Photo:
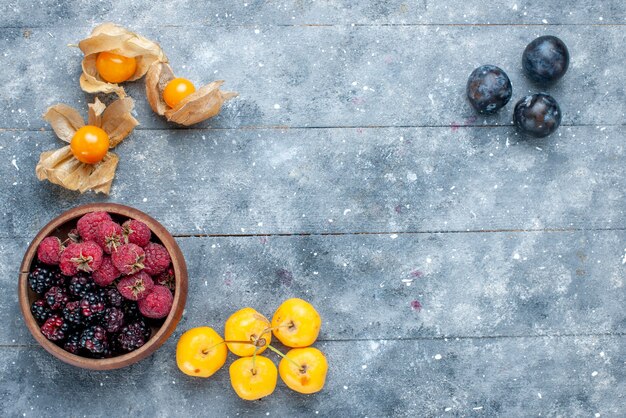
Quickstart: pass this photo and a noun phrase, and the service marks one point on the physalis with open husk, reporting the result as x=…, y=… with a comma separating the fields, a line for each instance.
x=177, y=98
x=114, y=54
x=86, y=163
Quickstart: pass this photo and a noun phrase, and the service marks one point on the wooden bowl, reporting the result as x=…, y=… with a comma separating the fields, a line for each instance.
x=60, y=226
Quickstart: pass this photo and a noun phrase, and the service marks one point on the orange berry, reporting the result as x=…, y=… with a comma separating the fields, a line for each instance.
x=308, y=375
x=247, y=325
x=176, y=90
x=253, y=380
x=296, y=323
x=115, y=68
x=200, y=352
x=90, y=144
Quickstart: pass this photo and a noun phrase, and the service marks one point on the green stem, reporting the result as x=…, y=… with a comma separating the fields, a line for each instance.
x=277, y=351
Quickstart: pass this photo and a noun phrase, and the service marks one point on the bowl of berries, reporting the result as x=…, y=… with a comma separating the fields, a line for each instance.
x=102, y=286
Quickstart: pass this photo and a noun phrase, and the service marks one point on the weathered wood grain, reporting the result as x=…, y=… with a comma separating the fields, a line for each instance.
x=329, y=76
x=339, y=180
x=283, y=12
x=365, y=286
x=565, y=376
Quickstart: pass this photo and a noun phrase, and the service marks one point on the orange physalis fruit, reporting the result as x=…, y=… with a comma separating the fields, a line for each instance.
x=115, y=68
x=90, y=144
x=176, y=90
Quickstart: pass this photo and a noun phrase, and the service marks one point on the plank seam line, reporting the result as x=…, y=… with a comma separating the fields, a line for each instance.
x=426, y=232
x=426, y=338
x=285, y=127
x=377, y=233
x=327, y=25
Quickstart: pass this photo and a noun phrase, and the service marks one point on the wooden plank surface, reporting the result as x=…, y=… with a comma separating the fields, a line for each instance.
x=460, y=270
x=341, y=180
x=329, y=76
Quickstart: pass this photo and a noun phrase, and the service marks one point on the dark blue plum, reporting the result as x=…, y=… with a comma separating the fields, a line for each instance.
x=537, y=115
x=545, y=59
x=489, y=89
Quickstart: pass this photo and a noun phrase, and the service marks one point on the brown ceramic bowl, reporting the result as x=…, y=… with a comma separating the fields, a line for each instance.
x=60, y=226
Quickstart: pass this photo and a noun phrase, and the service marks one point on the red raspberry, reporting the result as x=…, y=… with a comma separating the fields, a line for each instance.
x=84, y=256
x=49, y=250
x=88, y=224
x=157, y=304
x=167, y=279
x=136, y=232
x=136, y=286
x=128, y=258
x=157, y=259
x=109, y=236
x=106, y=274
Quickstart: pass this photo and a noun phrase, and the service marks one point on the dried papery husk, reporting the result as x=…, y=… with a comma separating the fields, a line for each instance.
x=117, y=120
x=118, y=40
x=203, y=104
x=62, y=168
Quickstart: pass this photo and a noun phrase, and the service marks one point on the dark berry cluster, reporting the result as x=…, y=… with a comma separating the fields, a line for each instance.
x=100, y=291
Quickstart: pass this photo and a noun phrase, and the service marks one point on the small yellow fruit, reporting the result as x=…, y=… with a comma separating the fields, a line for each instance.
x=253, y=382
x=309, y=375
x=115, y=68
x=296, y=323
x=90, y=144
x=247, y=325
x=176, y=90
x=200, y=352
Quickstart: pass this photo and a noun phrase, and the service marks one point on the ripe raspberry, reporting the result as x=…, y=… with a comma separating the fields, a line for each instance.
x=85, y=256
x=56, y=298
x=49, y=250
x=133, y=336
x=94, y=339
x=54, y=328
x=167, y=279
x=80, y=285
x=128, y=258
x=72, y=314
x=72, y=344
x=43, y=278
x=157, y=304
x=157, y=259
x=136, y=232
x=136, y=286
x=112, y=297
x=109, y=236
x=113, y=319
x=107, y=273
x=92, y=305
x=88, y=224
x=40, y=310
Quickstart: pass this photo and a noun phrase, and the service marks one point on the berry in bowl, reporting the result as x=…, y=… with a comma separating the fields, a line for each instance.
x=102, y=286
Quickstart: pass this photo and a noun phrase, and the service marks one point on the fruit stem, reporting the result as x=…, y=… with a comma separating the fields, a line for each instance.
x=254, y=361
x=237, y=342
x=277, y=351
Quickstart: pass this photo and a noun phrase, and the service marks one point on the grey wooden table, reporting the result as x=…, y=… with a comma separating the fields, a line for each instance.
x=459, y=270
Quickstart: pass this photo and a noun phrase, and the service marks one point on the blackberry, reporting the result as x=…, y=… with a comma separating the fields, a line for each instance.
x=94, y=340
x=92, y=305
x=131, y=311
x=133, y=336
x=40, y=310
x=80, y=285
x=72, y=344
x=43, y=278
x=55, y=328
x=73, y=314
x=56, y=297
x=113, y=319
x=112, y=297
